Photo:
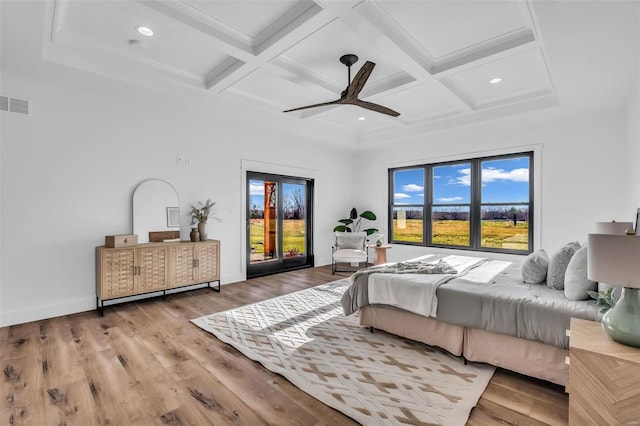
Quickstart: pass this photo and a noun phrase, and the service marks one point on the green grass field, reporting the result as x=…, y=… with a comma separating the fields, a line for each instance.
x=292, y=235
x=495, y=233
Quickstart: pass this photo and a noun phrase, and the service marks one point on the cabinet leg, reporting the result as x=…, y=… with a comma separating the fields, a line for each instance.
x=214, y=288
x=100, y=306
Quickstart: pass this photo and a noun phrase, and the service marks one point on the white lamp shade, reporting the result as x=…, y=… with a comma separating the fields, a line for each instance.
x=614, y=259
x=613, y=227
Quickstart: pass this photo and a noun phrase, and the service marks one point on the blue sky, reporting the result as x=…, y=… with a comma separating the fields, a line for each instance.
x=504, y=180
x=256, y=189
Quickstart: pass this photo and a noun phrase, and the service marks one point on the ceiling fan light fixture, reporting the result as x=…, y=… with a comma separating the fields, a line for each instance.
x=349, y=96
x=145, y=31
x=495, y=80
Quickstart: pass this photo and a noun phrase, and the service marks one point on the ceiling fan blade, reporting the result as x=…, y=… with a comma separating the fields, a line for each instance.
x=360, y=79
x=376, y=108
x=337, y=101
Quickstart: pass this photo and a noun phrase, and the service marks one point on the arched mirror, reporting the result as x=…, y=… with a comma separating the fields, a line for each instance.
x=156, y=209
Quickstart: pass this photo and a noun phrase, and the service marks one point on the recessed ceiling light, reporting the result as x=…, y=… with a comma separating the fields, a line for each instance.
x=362, y=118
x=145, y=31
x=495, y=80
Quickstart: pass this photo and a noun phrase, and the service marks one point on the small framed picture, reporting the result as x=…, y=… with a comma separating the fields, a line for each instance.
x=173, y=217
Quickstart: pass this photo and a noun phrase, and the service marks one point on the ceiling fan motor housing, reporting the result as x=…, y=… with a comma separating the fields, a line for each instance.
x=349, y=59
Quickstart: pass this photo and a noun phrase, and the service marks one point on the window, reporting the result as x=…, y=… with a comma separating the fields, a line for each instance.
x=480, y=204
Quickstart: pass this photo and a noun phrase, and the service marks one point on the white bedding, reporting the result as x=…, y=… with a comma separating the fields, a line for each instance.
x=417, y=292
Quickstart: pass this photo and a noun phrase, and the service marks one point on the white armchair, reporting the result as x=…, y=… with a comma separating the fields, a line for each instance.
x=351, y=248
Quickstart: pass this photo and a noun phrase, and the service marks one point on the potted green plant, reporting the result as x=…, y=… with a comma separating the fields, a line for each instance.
x=353, y=222
x=604, y=299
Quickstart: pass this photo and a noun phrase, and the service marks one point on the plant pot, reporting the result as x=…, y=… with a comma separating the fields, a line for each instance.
x=194, y=235
x=202, y=229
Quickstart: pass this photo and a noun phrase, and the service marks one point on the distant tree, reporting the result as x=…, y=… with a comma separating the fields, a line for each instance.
x=255, y=212
x=293, y=205
x=297, y=201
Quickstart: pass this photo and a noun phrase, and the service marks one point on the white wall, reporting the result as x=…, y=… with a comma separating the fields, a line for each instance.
x=634, y=147
x=581, y=163
x=69, y=171
x=634, y=138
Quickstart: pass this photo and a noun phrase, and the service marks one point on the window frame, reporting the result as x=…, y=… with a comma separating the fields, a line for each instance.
x=475, y=203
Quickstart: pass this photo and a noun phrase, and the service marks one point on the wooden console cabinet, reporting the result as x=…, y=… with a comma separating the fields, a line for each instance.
x=603, y=378
x=153, y=267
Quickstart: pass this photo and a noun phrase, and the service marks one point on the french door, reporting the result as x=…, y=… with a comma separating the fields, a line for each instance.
x=279, y=223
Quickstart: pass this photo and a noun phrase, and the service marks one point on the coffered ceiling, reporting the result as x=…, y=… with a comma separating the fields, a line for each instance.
x=434, y=59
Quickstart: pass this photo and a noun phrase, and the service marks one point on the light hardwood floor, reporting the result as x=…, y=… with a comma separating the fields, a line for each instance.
x=144, y=363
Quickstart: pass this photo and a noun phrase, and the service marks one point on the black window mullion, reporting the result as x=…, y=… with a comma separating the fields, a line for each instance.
x=476, y=200
x=530, y=201
x=428, y=204
x=391, y=186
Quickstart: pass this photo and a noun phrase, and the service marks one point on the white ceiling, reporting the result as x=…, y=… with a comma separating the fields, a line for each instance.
x=434, y=59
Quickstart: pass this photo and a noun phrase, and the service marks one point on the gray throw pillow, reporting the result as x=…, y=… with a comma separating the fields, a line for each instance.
x=558, y=264
x=576, y=283
x=534, y=267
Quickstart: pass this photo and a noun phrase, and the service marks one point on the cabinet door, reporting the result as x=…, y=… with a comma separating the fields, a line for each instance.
x=208, y=260
x=153, y=272
x=117, y=269
x=182, y=263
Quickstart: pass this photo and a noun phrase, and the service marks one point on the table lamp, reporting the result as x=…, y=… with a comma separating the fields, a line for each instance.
x=615, y=260
x=613, y=227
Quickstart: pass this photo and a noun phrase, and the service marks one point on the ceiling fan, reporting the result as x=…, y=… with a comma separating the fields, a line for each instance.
x=349, y=95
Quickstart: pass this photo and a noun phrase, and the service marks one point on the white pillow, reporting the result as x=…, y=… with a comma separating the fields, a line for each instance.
x=558, y=265
x=534, y=267
x=576, y=283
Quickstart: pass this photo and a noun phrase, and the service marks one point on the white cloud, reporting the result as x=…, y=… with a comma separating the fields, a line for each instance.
x=516, y=175
x=449, y=199
x=492, y=174
x=412, y=187
x=400, y=196
x=465, y=179
x=256, y=189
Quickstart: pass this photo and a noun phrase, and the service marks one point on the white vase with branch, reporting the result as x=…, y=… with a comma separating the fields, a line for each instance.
x=200, y=214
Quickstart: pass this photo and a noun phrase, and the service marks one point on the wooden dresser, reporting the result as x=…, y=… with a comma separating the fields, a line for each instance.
x=154, y=267
x=604, y=378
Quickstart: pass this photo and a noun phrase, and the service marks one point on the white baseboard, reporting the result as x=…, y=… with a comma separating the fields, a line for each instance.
x=37, y=313
x=75, y=306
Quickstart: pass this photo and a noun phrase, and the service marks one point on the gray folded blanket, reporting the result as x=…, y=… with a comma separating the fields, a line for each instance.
x=407, y=267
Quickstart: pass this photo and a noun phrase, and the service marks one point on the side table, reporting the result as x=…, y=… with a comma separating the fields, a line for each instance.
x=381, y=253
x=603, y=378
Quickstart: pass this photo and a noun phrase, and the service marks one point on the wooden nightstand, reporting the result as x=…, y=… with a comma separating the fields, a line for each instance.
x=603, y=378
x=381, y=254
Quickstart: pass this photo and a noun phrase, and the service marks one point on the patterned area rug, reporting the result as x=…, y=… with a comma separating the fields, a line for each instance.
x=374, y=378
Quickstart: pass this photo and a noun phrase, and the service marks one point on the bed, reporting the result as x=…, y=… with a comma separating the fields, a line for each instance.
x=482, y=310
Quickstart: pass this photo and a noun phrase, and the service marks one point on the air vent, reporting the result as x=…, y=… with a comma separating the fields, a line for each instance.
x=19, y=106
